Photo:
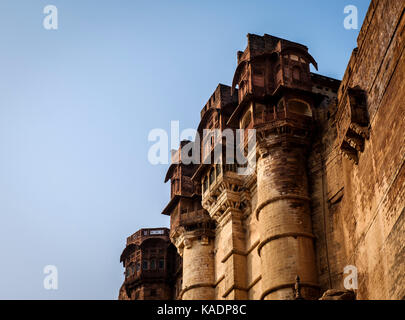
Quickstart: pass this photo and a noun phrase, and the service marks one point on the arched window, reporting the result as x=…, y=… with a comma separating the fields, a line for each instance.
x=296, y=74
x=280, y=106
x=299, y=107
x=161, y=264
x=259, y=112
x=153, y=264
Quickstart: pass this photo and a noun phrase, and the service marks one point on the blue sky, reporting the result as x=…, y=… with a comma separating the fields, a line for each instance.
x=77, y=105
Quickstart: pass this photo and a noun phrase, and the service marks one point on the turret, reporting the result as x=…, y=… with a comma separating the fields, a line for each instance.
x=151, y=265
x=276, y=99
x=222, y=197
x=191, y=230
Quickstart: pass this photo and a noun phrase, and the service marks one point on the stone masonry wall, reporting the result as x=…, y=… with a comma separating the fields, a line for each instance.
x=365, y=228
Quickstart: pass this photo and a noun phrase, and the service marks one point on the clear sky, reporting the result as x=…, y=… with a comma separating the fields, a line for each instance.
x=77, y=105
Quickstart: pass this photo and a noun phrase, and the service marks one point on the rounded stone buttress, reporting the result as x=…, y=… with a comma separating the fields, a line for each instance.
x=198, y=269
x=286, y=241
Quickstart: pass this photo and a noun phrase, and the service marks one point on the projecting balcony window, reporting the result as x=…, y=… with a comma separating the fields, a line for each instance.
x=153, y=264
x=145, y=265
x=299, y=107
x=161, y=264
x=258, y=78
x=259, y=113
x=296, y=74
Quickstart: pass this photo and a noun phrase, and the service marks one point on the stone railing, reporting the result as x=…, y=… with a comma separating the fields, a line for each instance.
x=188, y=218
x=146, y=275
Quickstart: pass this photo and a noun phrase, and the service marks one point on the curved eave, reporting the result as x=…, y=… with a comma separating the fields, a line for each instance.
x=170, y=171
x=241, y=65
x=236, y=76
x=126, y=250
x=173, y=201
x=302, y=52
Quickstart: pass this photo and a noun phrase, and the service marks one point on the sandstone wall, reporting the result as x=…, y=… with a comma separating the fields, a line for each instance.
x=331, y=212
x=365, y=227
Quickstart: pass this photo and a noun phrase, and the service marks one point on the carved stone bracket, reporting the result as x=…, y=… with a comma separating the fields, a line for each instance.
x=229, y=193
x=352, y=124
x=184, y=239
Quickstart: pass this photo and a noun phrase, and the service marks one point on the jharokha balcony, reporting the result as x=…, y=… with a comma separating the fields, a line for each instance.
x=148, y=255
x=287, y=116
x=273, y=119
x=189, y=220
x=295, y=113
x=146, y=275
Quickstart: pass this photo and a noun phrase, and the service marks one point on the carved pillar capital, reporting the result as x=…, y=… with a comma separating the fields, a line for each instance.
x=188, y=243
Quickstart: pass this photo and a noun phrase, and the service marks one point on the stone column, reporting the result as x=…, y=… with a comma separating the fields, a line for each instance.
x=233, y=243
x=286, y=241
x=223, y=203
x=198, y=266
